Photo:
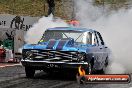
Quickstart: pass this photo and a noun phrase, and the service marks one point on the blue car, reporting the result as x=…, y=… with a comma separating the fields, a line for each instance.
x=64, y=48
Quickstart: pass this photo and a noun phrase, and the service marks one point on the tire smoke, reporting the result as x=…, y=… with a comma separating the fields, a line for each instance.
x=35, y=33
x=115, y=29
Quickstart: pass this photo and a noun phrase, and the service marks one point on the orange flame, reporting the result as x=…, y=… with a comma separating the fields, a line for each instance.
x=81, y=71
x=74, y=23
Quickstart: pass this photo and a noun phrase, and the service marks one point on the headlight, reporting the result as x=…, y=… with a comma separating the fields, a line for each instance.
x=27, y=54
x=81, y=56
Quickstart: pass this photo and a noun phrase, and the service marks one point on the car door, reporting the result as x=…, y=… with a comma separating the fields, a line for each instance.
x=99, y=50
x=103, y=47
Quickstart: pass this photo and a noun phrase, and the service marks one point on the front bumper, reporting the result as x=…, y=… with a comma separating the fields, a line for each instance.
x=49, y=64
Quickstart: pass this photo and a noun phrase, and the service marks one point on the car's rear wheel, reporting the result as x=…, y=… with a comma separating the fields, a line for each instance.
x=102, y=71
x=29, y=72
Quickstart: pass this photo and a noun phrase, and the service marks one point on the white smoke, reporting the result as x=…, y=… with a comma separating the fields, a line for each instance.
x=115, y=29
x=35, y=33
x=85, y=10
x=115, y=68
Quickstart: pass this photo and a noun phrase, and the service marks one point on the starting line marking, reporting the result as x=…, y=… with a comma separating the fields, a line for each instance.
x=11, y=65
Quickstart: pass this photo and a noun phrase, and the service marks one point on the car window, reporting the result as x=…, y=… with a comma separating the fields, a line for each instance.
x=96, y=39
x=78, y=36
x=87, y=39
x=99, y=38
x=99, y=41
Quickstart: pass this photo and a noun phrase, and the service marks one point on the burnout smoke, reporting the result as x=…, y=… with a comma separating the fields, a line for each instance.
x=115, y=29
x=35, y=33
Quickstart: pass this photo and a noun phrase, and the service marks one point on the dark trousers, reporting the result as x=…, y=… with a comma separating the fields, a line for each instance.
x=51, y=10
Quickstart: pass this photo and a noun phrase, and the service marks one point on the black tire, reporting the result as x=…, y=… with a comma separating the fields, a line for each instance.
x=29, y=72
x=88, y=69
x=102, y=71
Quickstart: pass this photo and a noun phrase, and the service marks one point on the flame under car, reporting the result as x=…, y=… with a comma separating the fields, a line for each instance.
x=63, y=48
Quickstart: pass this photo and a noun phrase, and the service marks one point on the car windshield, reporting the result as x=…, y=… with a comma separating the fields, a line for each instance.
x=78, y=36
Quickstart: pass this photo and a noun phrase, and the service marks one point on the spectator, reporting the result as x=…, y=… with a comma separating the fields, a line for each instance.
x=51, y=4
x=18, y=22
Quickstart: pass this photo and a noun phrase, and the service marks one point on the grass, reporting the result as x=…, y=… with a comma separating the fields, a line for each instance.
x=26, y=7
x=23, y=7
x=39, y=7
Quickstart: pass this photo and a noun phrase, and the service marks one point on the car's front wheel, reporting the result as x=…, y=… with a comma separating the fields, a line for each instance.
x=29, y=72
x=89, y=69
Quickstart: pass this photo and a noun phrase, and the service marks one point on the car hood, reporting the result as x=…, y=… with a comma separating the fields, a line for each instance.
x=63, y=45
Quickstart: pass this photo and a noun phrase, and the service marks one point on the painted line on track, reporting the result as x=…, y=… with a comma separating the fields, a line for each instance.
x=10, y=65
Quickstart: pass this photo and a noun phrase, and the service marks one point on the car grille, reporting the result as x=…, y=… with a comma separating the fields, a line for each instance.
x=50, y=55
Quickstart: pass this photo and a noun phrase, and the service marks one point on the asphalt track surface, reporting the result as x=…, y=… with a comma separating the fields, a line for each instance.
x=14, y=77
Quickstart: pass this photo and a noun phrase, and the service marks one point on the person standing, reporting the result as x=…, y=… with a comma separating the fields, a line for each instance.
x=51, y=4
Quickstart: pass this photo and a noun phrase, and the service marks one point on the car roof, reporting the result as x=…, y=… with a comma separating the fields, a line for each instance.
x=71, y=29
